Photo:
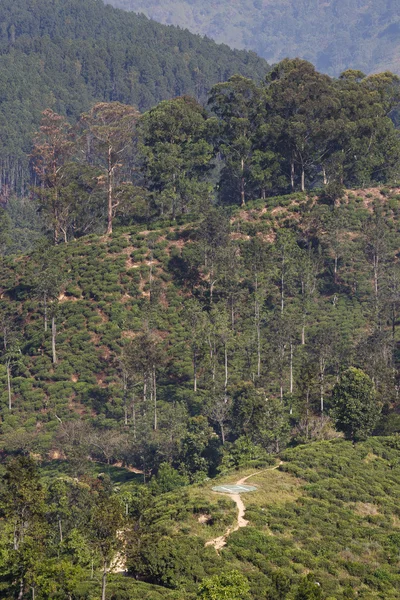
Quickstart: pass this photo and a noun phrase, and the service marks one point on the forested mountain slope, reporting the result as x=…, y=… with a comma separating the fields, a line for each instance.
x=66, y=55
x=334, y=35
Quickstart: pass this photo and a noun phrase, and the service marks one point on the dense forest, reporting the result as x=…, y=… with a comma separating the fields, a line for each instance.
x=335, y=35
x=66, y=55
x=211, y=292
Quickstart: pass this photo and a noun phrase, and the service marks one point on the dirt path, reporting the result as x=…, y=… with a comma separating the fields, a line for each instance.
x=220, y=541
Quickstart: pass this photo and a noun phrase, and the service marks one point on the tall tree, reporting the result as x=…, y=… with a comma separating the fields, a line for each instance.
x=23, y=502
x=52, y=149
x=176, y=156
x=10, y=348
x=109, y=130
x=237, y=105
x=105, y=525
x=143, y=357
x=303, y=104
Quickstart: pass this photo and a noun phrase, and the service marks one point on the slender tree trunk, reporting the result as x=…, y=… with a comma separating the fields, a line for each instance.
x=53, y=339
x=33, y=593
x=60, y=530
x=258, y=332
x=104, y=582
x=45, y=312
x=322, y=384
x=303, y=180
x=21, y=589
x=226, y=367
x=195, y=369
x=8, y=369
x=212, y=359
x=109, y=192
x=292, y=174
x=335, y=269
x=242, y=186
x=15, y=538
x=134, y=415
x=291, y=367
x=155, y=397
x=307, y=413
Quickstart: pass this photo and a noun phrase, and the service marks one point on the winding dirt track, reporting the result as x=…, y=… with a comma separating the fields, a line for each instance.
x=220, y=541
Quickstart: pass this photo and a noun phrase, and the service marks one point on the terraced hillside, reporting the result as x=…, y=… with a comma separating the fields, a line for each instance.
x=141, y=369
x=111, y=291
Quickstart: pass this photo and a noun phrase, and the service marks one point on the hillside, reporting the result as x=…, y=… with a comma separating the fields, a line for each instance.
x=323, y=525
x=150, y=289
x=68, y=55
x=201, y=294
x=334, y=35
x=137, y=365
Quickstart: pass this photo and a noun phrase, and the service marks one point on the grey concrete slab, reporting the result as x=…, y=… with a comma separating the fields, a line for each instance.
x=234, y=488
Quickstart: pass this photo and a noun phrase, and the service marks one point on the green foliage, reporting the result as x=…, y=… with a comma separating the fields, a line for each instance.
x=354, y=404
x=67, y=56
x=232, y=585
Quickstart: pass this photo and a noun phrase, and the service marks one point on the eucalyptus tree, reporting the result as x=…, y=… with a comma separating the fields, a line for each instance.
x=109, y=131
x=10, y=348
x=355, y=406
x=303, y=105
x=238, y=106
x=52, y=150
x=144, y=358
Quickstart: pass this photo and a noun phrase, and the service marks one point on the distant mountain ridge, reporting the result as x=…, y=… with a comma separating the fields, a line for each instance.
x=333, y=34
x=68, y=54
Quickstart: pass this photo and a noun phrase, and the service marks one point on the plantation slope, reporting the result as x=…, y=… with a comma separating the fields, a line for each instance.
x=112, y=286
x=220, y=542
x=331, y=509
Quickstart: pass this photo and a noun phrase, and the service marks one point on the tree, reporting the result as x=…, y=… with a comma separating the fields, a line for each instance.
x=106, y=522
x=237, y=105
x=52, y=149
x=308, y=589
x=109, y=129
x=286, y=253
x=303, y=104
x=256, y=260
x=227, y=586
x=354, y=404
x=196, y=320
x=10, y=348
x=5, y=231
x=23, y=503
x=376, y=248
x=176, y=156
x=143, y=357
x=366, y=137
x=214, y=239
